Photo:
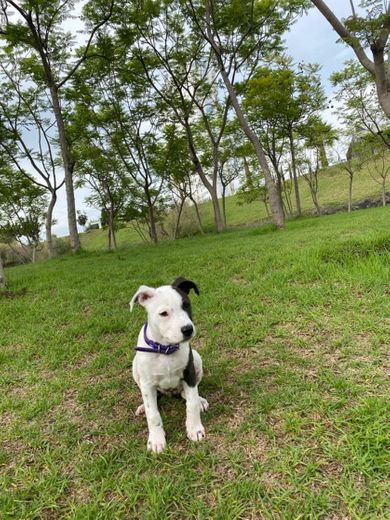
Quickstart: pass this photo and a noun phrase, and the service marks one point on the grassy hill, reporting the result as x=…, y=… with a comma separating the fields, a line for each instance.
x=333, y=191
x=293, y=328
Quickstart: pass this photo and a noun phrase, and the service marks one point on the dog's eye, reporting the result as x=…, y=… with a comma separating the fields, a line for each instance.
x=164, y=314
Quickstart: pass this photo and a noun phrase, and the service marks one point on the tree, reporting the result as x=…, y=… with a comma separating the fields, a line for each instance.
x=22, y=206
x=180, y=69
x=82, y=218
x=254, y=191
x=116, y=118
x=231, y=162
x=366, y=28
x=39, y=34
x=239, y=34
x=26, y=137
x=109, y=184
x=181, y=171
x=359, y=109
x=351, y=165
x=279, y=101
x=365, y=125
x=378, y=165
x=310, y=167
x=317, y=135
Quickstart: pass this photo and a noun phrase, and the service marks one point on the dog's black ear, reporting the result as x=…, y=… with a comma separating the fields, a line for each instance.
x=185, y=285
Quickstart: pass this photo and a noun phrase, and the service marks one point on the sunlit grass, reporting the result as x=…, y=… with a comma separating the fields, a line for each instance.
x=293, y=328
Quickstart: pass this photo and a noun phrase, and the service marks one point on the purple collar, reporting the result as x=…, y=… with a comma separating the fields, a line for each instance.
x=157, y=348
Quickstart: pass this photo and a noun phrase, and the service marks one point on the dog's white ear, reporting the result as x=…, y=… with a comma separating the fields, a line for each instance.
x=142, y=296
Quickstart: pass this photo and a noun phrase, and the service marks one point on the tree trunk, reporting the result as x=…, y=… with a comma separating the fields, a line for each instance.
x=350, y=194
x=384, y=100
x=152, y=223
x=323, y=156
x=217, y=211
x=211, y=188
x=111, y=237
x=279, y=185
x=3, y=280
x=266, y=207
x=224, y=205
x=48, y=225
x=111, y=231
x=248, y=175
x=381, y=79
x=294, y=172
x=68, y=171
x=274, y=199
x=276, y=207
x=315, y=201
x=197, y=213
x=34, y=253
x=383, y=194
x=178, y=217
x=287, y=196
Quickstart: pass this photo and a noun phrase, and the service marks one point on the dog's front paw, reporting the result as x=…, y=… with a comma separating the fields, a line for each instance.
x=196, y=432
x=156, y=442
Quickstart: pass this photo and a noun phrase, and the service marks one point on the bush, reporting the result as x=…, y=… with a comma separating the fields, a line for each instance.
x=188, y=224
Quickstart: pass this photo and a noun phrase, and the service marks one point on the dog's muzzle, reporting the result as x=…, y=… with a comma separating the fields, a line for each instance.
x=187, y=331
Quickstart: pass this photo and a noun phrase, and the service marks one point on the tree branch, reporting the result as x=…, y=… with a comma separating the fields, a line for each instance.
x=85, y=53
x=345, y=35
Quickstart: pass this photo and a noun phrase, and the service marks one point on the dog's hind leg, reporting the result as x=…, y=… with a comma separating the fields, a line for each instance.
x=140, y=410
x=204, y=405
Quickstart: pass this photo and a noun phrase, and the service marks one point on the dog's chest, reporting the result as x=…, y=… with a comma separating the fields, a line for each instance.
x=165, y=373
x=168, y=376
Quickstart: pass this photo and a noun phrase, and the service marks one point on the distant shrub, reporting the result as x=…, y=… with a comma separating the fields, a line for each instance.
x=61, y=246
x=188, y=224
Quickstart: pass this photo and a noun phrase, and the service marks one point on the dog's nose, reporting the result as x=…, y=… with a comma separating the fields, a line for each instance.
x=187, y=331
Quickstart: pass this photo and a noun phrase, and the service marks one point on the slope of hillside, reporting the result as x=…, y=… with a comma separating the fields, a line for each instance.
x=333, y=191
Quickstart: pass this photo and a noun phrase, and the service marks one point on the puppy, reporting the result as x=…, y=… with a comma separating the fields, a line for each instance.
x=164, y=362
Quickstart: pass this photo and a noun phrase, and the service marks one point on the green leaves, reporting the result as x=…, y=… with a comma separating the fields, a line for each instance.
x=22, y=206
x=284, y=96
x=17, y=34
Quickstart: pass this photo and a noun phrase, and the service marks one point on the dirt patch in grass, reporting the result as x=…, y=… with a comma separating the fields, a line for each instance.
x=13, y=294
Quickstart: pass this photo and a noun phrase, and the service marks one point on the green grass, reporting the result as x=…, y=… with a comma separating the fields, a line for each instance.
x=333, y=191
x=293, y=328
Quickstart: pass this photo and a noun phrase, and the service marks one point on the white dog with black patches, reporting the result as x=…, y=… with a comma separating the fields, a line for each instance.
x=164, y=362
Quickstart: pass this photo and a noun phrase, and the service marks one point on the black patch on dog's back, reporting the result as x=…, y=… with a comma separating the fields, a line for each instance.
x=189, y=374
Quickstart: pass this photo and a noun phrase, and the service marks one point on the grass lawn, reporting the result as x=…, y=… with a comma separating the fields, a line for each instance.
x=333, y=191
x=293, y=328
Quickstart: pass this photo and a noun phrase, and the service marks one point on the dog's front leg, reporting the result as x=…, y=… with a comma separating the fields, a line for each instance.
x=195, y=429
x=156, y=440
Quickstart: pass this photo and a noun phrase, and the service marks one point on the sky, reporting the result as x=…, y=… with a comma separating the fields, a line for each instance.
x=311, y=40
